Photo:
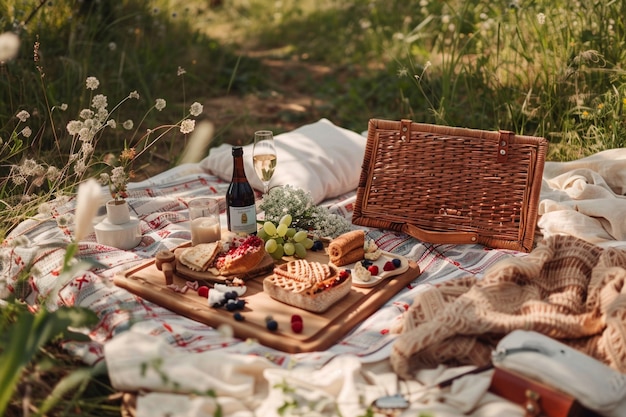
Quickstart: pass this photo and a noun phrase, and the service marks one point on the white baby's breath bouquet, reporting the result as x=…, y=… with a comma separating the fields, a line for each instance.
x=315, y=219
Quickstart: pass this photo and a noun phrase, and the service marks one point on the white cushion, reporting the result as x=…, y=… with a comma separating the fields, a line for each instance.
x=321, y=158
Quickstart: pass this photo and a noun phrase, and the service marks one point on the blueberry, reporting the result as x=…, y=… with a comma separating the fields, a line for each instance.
x=230, y=295
x=238, y=316
x=397, y=262
x=240, y=304
x=272, y=325
x=232, y=306
x=317, y=245
x=366, y=263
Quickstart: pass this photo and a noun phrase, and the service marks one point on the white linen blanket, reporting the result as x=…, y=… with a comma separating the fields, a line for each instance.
x=585, y=198
x=582, y=198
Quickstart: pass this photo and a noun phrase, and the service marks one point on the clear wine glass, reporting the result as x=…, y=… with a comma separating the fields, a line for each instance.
x=264, y=157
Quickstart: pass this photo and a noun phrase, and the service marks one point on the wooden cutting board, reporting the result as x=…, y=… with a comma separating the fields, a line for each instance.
x=320, y=330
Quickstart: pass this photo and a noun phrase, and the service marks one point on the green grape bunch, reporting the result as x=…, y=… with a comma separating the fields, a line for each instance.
x=281, y=239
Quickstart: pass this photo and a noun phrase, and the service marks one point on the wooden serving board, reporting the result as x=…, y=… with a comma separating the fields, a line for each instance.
x=320, y=330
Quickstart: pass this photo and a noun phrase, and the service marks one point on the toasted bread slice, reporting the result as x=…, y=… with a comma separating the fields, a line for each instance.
x=200, y=257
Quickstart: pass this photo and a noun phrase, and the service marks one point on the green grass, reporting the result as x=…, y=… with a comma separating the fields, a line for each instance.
x=551, y=68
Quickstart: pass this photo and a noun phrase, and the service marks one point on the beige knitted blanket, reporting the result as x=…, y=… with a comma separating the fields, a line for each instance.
x=566, y=288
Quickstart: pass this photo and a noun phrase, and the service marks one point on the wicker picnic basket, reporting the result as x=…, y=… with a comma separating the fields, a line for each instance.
x=451, y=185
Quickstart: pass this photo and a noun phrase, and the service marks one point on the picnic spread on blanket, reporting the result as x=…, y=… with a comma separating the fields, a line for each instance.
x=387, y=345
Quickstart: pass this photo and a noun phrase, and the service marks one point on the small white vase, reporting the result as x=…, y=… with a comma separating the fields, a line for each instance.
x=118, y=229
x=118, y=211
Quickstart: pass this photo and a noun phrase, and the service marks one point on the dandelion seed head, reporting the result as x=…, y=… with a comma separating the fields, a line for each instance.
x=128, y=124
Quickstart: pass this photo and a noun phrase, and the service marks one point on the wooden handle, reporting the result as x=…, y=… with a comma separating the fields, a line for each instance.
x=166, y=261
x=168, y=271
x=440, y=237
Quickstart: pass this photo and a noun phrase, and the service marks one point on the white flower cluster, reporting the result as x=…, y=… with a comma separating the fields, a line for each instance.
x=315, y=219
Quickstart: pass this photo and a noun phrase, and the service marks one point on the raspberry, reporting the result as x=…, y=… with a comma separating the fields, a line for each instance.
x=297, y=326
x=373, y=269
x=296, y=318
x=397, y=262
x=344, y=273
x=203, y=291
x=389, y=266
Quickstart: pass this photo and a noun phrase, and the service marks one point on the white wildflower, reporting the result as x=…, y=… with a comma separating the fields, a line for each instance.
x=111, y=123
x=180, y=71
x=87, y=148
x=134, y=94
x=65, y=220
x=28, y=168
x=187, y=126
x=118, y=175
x=18, y=179
x=112, y=46
x=53, y=173
x=541, y=18
x=86, y=114
x=128, y=124
x=92, y=83
x=26, y=132
x=102, y=114
x=196, y=109
x=80, y=167
x=63, y=106
x=23, y=115
x=45, y=208
x=9, y=46
x=160, y=104
x=20, y=241
x=99, y=101
x=85, y=134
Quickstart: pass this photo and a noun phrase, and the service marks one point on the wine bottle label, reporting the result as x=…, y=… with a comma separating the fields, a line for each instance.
x=243, y=219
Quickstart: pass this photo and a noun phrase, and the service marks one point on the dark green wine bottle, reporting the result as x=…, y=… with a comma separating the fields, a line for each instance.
x=240, y=204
